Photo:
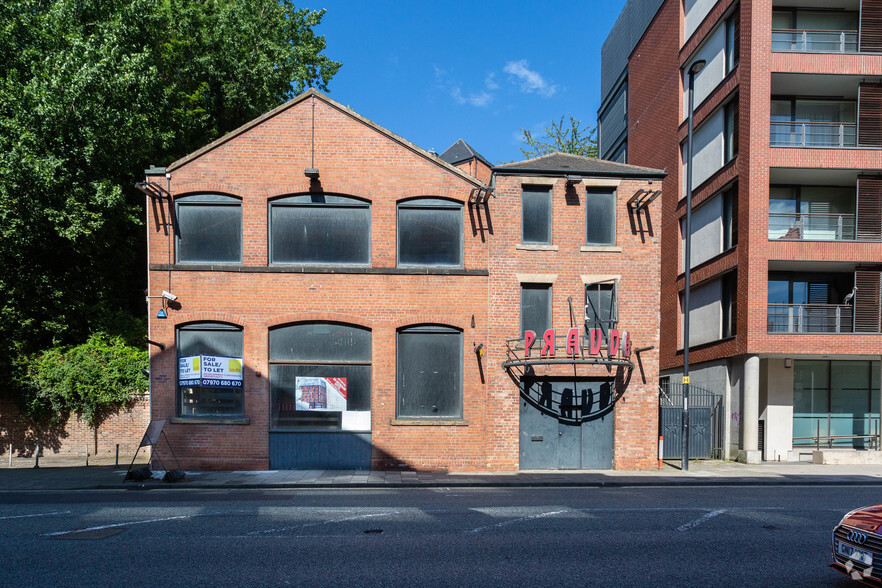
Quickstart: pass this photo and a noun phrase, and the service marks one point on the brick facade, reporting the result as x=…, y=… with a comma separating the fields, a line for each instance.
x=267, y=159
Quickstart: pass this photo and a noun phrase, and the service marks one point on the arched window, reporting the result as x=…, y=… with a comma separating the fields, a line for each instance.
x=319, y=229
x=208, y=229
x=430, y=232
x=215, y=389
x=320, y=377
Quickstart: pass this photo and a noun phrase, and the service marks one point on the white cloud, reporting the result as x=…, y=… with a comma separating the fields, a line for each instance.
x=481, y=98
x=446, y=83
x=529, y=80
x=490, y=82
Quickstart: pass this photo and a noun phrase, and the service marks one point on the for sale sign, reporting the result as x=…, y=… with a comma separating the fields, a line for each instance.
x=211, y=371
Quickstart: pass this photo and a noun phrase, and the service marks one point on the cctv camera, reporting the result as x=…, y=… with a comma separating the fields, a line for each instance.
x=168, y=295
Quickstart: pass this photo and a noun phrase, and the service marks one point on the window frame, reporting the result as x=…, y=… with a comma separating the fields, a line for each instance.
x=612, y=193
x=329, y=421
x=430, y=203
x=340, y=201
x=457, y=400
x=613, y=321
x=548, y=205
x=206, y=200
x=179, y=396
x=525, y=286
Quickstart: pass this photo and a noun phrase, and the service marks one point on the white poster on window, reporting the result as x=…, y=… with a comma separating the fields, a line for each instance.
x=321, y=394
x=211, y=371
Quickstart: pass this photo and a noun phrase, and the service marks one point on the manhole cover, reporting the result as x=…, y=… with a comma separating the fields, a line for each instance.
x=90, y=534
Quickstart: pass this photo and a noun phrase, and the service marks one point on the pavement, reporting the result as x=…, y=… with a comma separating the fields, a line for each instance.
x=72, y=474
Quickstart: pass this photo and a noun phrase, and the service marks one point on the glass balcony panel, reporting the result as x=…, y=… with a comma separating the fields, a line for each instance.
x=813, y=134
x=810, y=318
x=814, y=41
x=811, y=227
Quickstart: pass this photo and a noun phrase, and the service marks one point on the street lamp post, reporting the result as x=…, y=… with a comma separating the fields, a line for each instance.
x=696, y=67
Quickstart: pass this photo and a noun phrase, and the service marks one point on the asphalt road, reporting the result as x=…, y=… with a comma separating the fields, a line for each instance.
x=712, y=536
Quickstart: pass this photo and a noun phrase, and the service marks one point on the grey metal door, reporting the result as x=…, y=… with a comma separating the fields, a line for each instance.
x=553, y=432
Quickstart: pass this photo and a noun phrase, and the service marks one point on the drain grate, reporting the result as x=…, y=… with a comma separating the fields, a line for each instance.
x=90, y=534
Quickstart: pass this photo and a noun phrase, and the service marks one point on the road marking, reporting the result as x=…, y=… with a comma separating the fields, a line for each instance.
x=117, y=525
x=513, y=521
x=43, y=514
x=701, y=519
x=328, y=522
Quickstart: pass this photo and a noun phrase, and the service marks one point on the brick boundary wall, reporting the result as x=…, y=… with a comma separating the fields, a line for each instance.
x=126, y=428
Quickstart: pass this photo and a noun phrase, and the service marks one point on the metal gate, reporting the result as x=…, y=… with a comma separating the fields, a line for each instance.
x=705, y=421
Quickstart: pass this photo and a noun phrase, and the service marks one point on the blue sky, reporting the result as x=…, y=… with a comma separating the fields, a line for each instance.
x=435, y=72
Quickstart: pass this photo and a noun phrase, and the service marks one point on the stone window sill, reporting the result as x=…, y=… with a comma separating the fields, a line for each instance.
x=210, y=420
x=429, y=422
x=535, y=247
x=607, y=248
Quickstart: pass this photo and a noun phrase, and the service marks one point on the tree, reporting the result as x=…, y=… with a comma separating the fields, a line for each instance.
x=562, y=136
x=90, y=380
x=91, y=92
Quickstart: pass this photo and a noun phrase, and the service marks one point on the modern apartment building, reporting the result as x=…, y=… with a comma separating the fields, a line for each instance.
x=787, y=206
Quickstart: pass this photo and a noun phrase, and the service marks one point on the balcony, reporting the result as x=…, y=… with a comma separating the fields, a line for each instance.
x=823, y=134
x=811, y=226
x=810, y=318
x=814, y=41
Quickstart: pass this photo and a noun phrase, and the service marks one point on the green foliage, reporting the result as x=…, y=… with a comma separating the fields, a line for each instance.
x=91, y=93
x=90, y=380
x=566, y=137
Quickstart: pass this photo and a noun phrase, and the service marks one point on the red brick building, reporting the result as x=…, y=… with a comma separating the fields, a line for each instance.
x=313, y=247
x=786, y=232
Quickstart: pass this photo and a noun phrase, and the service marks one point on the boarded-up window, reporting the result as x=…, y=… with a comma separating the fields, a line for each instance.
x=536, y=214
x=535, y=308
x=600, y=216
x=429, y=375
x=430, y=232
x=320, y=229
x=209, y=229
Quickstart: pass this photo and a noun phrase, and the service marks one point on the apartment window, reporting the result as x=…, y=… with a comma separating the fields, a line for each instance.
x=729, y=304
x=600, y=219
x=730, y=225
x=320, y=229
x=320, y=376
x=601, y=307
x=430, y=232
x=536, y=214
x=429, y=374
x=733, y=33
x=730, y=131
x=535, y=308
x=196, y=395
x=209, y=229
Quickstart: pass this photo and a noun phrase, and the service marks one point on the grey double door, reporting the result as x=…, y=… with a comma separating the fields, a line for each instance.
x=566, y=424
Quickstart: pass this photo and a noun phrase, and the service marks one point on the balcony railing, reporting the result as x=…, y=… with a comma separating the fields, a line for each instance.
x=814, y=41
x=813, y=134
x=811, y=226
x=810, y=318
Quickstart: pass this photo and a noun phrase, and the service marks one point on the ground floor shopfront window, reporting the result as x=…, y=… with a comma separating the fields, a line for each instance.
x=835, y=403
x=320, y=377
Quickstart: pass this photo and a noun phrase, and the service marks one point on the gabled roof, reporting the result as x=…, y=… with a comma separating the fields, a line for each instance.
x=312, y=92
x=462, y=151
x=558, y=163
